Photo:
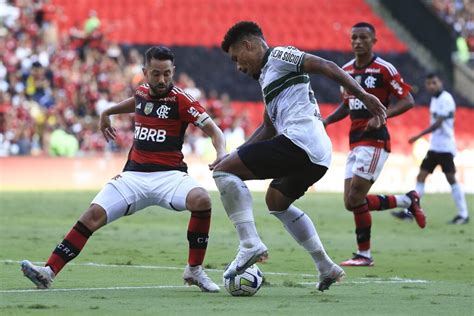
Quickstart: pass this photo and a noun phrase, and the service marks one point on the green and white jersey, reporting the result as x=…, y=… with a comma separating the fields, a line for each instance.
x=442, y=139
x=291, y=105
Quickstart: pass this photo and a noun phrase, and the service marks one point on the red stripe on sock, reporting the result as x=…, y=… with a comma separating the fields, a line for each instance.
x=198, y=223
x=392, y=201
x=360, y=209
x=363, y=220
x=373, y=202
x=75, y=238
x=56, y=263
x=196, y=257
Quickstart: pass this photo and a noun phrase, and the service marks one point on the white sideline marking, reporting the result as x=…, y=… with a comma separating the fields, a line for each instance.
x=113, y=288
x=393, y=280
x=103, y=265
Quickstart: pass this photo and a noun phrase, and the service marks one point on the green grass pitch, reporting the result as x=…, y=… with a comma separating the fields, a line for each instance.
x=140, y=259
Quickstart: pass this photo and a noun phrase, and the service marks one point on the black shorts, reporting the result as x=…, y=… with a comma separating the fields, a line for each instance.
x=432, y=159
x=280, y=159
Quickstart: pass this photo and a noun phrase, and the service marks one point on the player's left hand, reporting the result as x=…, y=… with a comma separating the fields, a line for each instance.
x=378, y=110
x=373, y=123
x=106, y=128
x=217, y=161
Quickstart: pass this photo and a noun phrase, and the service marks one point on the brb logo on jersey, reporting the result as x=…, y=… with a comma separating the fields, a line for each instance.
x=150, y=134
x=163, y=111
x=356, y=104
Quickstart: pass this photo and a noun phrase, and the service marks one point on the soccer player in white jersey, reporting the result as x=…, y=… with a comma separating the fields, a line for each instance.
x=290, y=146
x=442, y=147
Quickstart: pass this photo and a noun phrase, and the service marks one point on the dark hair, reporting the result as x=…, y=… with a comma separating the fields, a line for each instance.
x=158, y=52
x=239, y=31
x=432, y=75
x=365, y=24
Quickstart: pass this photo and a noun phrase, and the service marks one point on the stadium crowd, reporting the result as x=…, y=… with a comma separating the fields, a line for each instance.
x=54, y=86
x=459, y=14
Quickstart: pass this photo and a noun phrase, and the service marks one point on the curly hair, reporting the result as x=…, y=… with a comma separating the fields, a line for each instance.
x=239, y=31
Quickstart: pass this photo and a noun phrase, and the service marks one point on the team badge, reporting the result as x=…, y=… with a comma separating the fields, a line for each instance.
x=370, y=82
x=148, y=108
x=162, y=111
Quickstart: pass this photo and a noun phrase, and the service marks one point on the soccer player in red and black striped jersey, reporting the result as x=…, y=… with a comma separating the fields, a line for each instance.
x=155, y=173
x=370, y=146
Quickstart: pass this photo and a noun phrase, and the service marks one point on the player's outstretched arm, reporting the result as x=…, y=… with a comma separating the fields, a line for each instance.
x=318, y=65
x=217, y=138
x=340, y=113
x=125, y=106
x=432, y=128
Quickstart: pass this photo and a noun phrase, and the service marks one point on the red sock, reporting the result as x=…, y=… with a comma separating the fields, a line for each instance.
x=363, y=222
x=381, y=202
x=69, y=248
x=198, y=234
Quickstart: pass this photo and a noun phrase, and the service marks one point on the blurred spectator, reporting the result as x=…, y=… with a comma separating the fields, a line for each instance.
x=92, y=23
x=459, y=14
x=53, y=88
x=62, y=144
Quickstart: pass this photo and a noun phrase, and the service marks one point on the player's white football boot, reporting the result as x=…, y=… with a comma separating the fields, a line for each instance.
x=197, y=276
x=42, y=277
x=245, y=258
x=327, y=278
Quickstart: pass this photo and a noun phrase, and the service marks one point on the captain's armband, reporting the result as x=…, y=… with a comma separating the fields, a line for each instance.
x=202, y=119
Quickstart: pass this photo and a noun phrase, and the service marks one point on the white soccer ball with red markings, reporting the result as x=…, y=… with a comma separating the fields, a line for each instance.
x=245, y=284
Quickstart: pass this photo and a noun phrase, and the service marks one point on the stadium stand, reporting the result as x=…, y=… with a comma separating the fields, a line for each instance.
x=202, y=22
x=66, y=61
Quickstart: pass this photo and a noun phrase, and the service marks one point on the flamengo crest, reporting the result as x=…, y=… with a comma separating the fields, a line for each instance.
x=148, y=108
x=162, y=111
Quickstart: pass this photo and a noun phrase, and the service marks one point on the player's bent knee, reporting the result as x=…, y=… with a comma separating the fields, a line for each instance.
x=274, y=205
x=276, y=201
x=353, y=200
x=94, y=218
x=198, y=199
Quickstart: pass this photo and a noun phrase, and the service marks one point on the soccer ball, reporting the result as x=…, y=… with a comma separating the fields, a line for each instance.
x=245, y=284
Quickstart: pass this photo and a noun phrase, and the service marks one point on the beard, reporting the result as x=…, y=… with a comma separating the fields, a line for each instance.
x=156, y=92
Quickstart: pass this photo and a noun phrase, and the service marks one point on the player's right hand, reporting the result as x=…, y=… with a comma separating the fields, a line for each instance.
x=217, y=161
x=106, y=128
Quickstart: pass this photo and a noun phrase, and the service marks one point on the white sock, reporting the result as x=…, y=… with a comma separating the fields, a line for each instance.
x=50, y=272
x=302, y=229
x=365, y=253
x=403, y=201
x=459, y=199
x=237, y=202
x=420, y=188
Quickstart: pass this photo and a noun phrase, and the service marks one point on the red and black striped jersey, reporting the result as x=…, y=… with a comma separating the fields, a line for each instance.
x=160, y=124
x=381, y=79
